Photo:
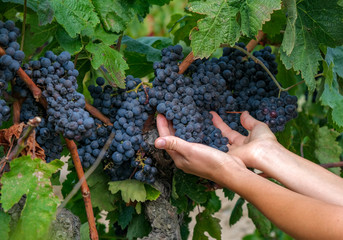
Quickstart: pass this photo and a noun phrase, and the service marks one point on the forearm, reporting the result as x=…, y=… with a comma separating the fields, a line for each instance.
x=298, y=215
x=301, y=175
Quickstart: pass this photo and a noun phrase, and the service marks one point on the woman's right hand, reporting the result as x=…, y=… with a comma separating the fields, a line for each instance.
x=249, y=148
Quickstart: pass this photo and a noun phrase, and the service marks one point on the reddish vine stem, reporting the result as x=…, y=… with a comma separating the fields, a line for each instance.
x=84, y=189
x=23, y=27
x=16, y=110
x=37, y=93
x=332, y=165
x=96, y=113
x=253, y=43
x=186, y=63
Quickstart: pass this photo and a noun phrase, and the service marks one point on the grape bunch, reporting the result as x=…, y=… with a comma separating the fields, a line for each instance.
x=228, y=85
x=254, y=90
x=127, y=109
x=46, y=136
x=187, y=101
x=57, y=77
x=9, y=63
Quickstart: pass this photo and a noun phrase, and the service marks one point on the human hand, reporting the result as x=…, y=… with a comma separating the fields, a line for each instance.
x=195, y=158
x=248, y=148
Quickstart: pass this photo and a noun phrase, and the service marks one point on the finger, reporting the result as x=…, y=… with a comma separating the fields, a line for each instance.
x=173, y=143
x=163, y=126
x=176, y=147
x=232, y=135
x=171, y=128
x=248, y=122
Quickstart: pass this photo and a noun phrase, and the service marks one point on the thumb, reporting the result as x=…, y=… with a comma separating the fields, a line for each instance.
x=248, y=122
x=172, y=143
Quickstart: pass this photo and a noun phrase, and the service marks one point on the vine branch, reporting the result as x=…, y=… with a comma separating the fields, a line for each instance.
x=332, y=165
x=253, y=43
x=37, y=93
x=84, y=188
x=89, y=172
x=96, y=113
x=186, y=63
x=23, y=27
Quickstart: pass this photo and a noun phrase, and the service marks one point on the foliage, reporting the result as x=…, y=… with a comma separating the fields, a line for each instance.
x=115, y=38
x=30, y=177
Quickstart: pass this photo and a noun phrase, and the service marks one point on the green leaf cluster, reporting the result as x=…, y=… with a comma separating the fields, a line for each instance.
x=226, y=20
x=30, y=177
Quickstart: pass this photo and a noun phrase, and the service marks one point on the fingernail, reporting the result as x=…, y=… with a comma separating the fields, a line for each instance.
x=160, y=143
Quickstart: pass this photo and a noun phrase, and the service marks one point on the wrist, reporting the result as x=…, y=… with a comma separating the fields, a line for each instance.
x=264, y=154
x=231, y=176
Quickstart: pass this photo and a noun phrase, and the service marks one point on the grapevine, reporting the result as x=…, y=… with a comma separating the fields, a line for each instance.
x=84, y=79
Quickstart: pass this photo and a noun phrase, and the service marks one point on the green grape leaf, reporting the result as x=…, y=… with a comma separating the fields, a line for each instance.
x=187, y=184
x=335, y=56
x=125, y=216
x=237, y=211
x=131, y=190
x=276, y=23
x=138, y=64
x=156, y=42
x=115, y=15
x=286, y=77
x=263, y=225
x=332, y=98
x=303, y=127
x=108, y=38
x=43, y=8
x=205, y=222
x=72, y=45
x=186, y=24
x=221, y=24
x=317, y=23
x=288, y=41
x=100, y=195
x=159, y=2
x=327, y=148
x=328, y=73
x=213, y=203
x=75, y=16
x=36, y=36
x=132, y=45
x=110, y=59
x=4, y=225
x=151, y=193
x=84, y=231
x=31, y=177
x=228, y=193
x=138, y=228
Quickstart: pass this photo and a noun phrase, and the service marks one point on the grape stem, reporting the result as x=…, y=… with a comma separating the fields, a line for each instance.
x=119, y=42
x=256, y=60
x=23, y=26
x=88, y=173
x=253, y=43
x=332, y=165
x=84, y=188
x=186, y=63
x=37, y=93
x=96, y=113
